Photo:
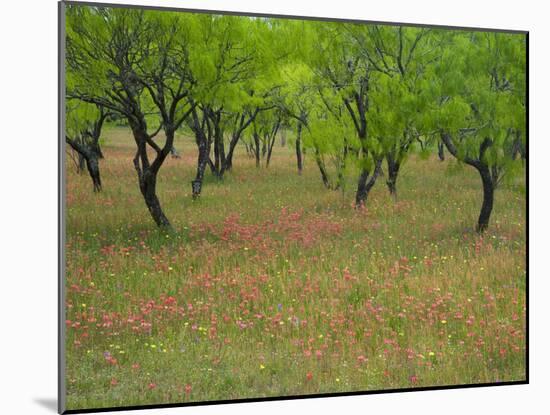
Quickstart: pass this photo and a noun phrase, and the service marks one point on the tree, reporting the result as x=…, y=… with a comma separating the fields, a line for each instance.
x=481, y=111
x=127, y=61
x=400, y=60
x=343, y=70
x=83, y=131
x=231, y=68
x=298, y=97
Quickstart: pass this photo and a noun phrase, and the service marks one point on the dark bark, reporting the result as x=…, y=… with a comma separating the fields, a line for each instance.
x=148, y=186
x=365, y=184
x=256, y=137
x=322, y=169
x=90, y=158
x=242, y=121
x=488, y=198
x=211, y=165
x=93, y=169
x=81, y=163
x=393, y=172
x=489, y=177
x=228, y=164
x=440, y=151
x=147, y=172
x=299, y=161
x=203, y=143
x=203, y=160
x=271, y=141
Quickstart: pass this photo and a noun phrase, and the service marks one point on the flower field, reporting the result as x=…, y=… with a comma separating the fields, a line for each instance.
x=272, y=285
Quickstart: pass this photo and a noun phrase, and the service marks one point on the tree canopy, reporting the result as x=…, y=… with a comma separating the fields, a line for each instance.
x=354, y=94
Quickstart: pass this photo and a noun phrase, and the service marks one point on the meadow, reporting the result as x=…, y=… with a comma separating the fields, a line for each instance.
x=272, y=285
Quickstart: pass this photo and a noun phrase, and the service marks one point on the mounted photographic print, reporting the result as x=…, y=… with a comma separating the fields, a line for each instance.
x=259, y=207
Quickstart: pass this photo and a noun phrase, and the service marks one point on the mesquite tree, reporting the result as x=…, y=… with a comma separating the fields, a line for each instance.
x=233, y=72
x=83, y=131
x=400, y=59
x=481, y=112
x=343, y=70
x=297, y=98
x=127, y=61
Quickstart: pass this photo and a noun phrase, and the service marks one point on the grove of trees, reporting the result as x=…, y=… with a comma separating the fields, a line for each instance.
x=359, y=99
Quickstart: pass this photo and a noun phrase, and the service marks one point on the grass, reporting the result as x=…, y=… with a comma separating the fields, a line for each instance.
x=273, y=285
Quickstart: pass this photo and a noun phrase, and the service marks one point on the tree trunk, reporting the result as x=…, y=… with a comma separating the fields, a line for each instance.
x=92, y=163
x=322, y=169
x=393, y=172
x=441, y=151
x=147, y=174
x=228, y=162
x=89, y=158
x=97, y=149
x=148, y=188
x=81, y=163
x=299, y=148
x=488, y=198
x=271, y=143
x=365, y=184
x=361, y=194
x=257, y=148
x=216, y=156
x=203, y=160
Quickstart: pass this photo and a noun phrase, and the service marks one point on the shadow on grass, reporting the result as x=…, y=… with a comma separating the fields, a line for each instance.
x=48, y=403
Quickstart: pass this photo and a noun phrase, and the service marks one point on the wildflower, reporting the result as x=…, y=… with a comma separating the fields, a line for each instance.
x=262, y=367
x=309, y=375
x=114, y=382
x=151, y=386
x=188, y=389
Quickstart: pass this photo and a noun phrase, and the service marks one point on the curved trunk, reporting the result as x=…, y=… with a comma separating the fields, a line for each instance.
x=148, y=190
x=322, y=169
x=147, y=172
x=440, y=151
x=488, y=199
x=89, y=158
x=365, y=184
x=92, y=163
x=228, y=162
